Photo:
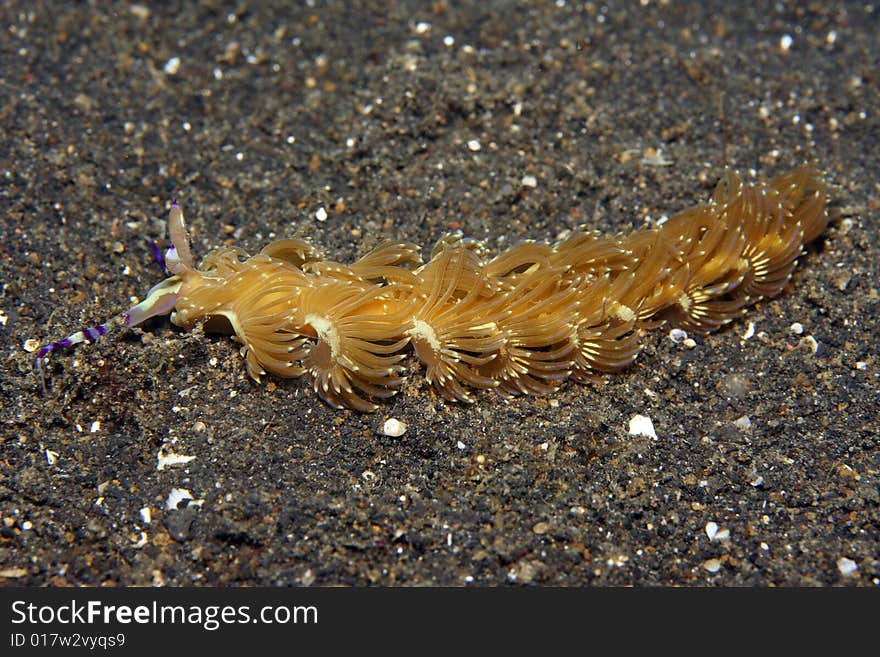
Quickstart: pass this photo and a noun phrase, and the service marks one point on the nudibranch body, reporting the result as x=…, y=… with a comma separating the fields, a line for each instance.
x=521, y=323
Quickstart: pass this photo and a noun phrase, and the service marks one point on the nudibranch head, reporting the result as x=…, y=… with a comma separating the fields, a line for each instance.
x=177, y=261
x=160, y=300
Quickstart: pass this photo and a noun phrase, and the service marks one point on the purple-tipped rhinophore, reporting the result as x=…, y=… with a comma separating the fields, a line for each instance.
x=157, y=254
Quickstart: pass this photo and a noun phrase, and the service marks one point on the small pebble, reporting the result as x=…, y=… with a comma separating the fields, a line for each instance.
x=474, y=145
x=179, y=523
x=529, y=181
x=797, y=328
x=321, y=214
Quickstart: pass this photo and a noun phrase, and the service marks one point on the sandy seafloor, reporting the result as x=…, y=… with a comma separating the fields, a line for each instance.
x=405, y=121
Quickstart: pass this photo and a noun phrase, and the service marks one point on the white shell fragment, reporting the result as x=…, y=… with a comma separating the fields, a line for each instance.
x=393, y=427
x=711, y=530
x=678, y=336
x=785, y=42
x=810, y=340
x=172, y=66
x=743, y=423
x=716, y=534
x=641, y=425
x=712, y=565
x=177, y=495
x=141, y=541
x=165, y=459
x=847, y=566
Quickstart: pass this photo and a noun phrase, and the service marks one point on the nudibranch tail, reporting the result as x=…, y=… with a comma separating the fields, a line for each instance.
x=520, y=323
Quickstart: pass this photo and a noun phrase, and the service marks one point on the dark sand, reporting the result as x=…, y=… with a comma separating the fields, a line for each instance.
x=368, y=114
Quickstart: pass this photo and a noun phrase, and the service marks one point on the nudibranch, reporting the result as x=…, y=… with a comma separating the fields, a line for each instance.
x=522, y=322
